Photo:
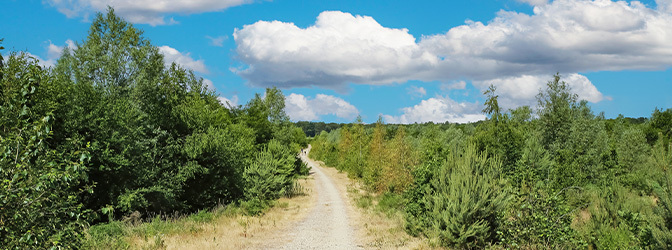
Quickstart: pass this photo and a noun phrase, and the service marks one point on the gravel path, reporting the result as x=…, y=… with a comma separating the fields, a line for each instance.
x=327, y=225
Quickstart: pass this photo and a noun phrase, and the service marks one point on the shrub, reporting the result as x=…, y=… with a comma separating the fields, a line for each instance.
x=269, y=176
x=466, y=200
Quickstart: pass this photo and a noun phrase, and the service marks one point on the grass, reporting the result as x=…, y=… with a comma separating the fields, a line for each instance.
x=224, y=227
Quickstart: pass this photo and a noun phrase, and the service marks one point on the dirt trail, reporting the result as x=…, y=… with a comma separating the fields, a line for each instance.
x=327, y=225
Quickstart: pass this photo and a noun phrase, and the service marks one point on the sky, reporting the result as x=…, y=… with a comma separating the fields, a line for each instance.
x=404, y=61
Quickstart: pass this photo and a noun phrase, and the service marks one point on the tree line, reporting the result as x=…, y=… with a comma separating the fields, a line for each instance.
x=109, y=131
x=557, y=176
x=312, y=129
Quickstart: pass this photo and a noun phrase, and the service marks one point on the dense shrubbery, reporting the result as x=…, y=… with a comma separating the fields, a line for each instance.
x=557, y=176
x=111, y=131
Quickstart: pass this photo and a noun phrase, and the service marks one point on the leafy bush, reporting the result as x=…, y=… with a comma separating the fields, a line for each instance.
x=539, y=219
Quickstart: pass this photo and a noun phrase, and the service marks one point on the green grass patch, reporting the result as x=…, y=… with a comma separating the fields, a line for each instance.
x=364, y=201
x=390, y=203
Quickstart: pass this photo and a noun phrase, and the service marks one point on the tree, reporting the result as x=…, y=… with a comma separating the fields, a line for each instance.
x=39, y=207
x=661, y=159
x=500, y=135
x=660, y=123
x=555, y=113
x=469, y=196
x=378, y=157
x=397, y=173
x=491, y=104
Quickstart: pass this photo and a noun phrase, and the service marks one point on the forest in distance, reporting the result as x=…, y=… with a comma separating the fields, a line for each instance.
x=111, y=133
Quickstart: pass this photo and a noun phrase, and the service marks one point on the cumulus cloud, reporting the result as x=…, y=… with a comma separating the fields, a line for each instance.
x=209, y=84
x=522, y=90
x=339, y=48
x=417, y=91
x=565, y=36
x=664, y=5
x=438, y=109
x=300, y=108
x=143, y=11
x=53, y=53
x=233, y=101
x=453, y=85
x=534, y=2
x=217, y=41
x=42, y=62
x=560, y=36
x=183, y=59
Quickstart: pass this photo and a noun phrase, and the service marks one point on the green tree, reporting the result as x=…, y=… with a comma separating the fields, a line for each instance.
x=358, y=152
x=469, y=197
x=269, y=176
x=661, y=159
x=39, y=207
x=378, y=157
x=396, y=175
x=555, y=113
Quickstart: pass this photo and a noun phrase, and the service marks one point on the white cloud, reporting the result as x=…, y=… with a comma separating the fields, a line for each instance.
x=143, y=11
x=300, y=108
x=438, y=109
x=522, y=90
x=217, y=41
x=183, y=59
x=209, y=84
x=534, y=2
x=565, y=36
x=453, y=85
x=339, y=48
x=560, y=36
x=664, y=5
x=233, y=101
x=53, y=53
x=417, y=91
x=42, y=62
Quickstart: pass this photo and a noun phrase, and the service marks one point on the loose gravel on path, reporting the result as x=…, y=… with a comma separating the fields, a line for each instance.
x=327, y=225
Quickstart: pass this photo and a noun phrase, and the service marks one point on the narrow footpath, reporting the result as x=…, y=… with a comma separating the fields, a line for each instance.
x=327, y=225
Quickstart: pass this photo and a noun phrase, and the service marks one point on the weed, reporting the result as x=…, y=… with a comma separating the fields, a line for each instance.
x=296, y=190
x=202, y=216
x=364, y=201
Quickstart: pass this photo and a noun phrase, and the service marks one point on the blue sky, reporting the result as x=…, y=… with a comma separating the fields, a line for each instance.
x=408, y=61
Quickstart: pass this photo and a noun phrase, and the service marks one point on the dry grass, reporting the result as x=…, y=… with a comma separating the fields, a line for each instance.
x=237, y=231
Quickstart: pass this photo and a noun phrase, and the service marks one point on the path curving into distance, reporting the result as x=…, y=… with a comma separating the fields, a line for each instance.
x=327, y=225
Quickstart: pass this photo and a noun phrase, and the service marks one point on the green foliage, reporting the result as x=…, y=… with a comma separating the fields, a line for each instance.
x=269, y=176
x=39, y=206
x=555, y=114
x=110, y=131
x=567, y=178
x=390, y=203
x=107, y=235
x=618, y=218
x=539, y=219
x=661, y=159
x=659, y=126
x=468, y=199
